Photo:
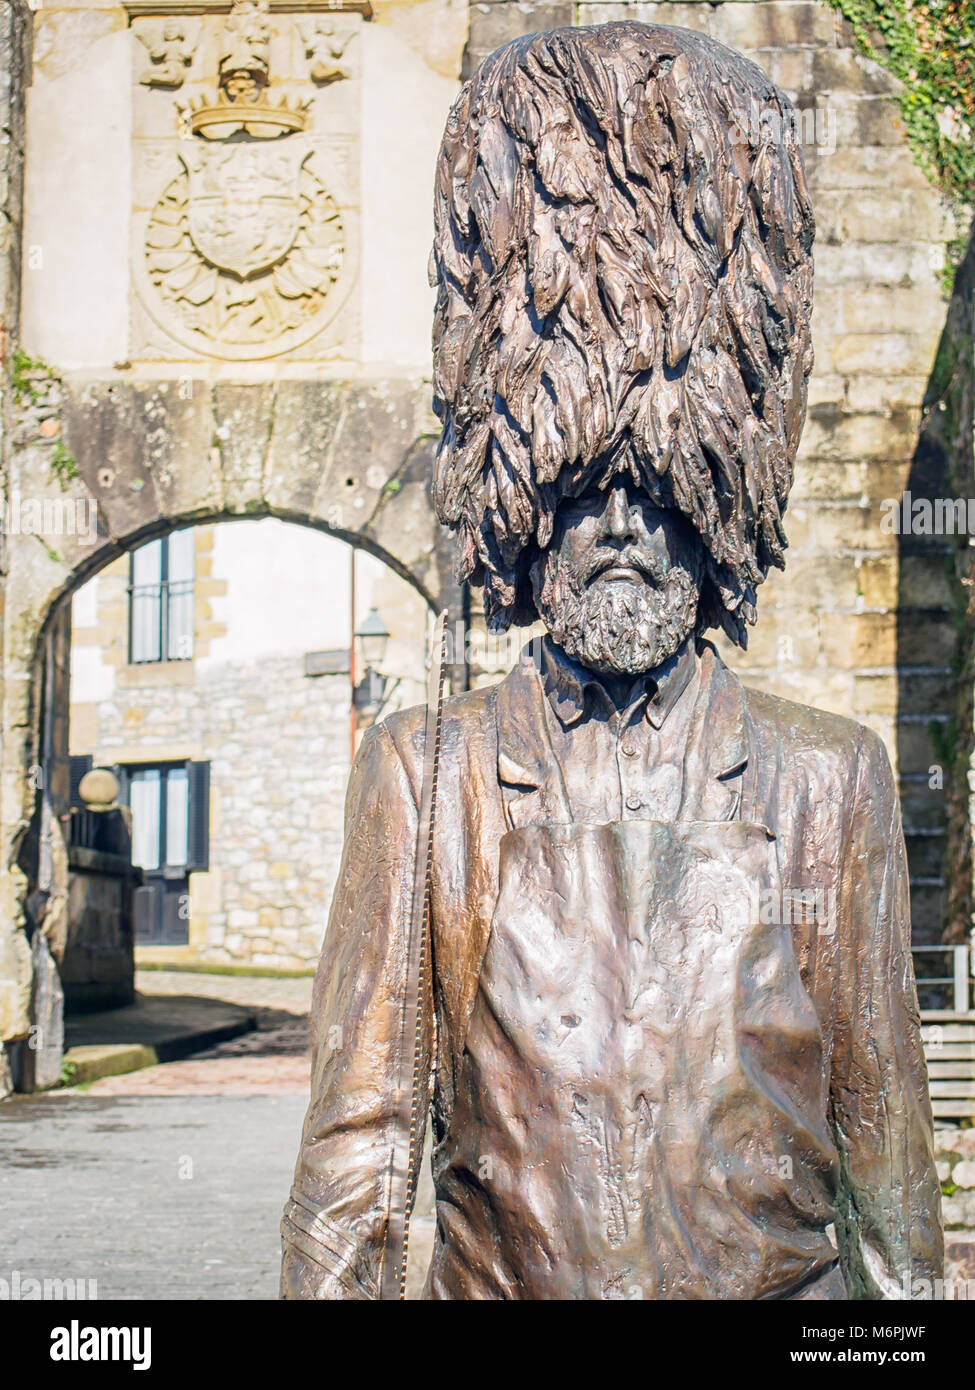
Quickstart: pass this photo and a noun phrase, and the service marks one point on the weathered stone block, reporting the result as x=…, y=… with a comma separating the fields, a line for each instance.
x=492, y=25
x=877, y=166
x=891, y=309
x=884, y=353
x=958, y=1210
x=242, y=423
x=922, y=806
x=846, y=70
x=925, y=855
x=883, y=395
x=878, y=582
x=307, y=415
x=857, y=436
x=963, y=1174
x=775, y=24
x=864, y=639
x=790, y=68
x=878, y=217
x=917, y=748
x=821, y=583
x=955, y=1144
x=822, y=526
x=820, y=480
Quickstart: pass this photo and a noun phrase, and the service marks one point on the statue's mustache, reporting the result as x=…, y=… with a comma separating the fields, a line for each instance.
x=632, y=559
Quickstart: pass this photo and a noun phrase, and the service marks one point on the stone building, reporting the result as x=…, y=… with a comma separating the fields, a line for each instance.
x=212, y=323
x=232, y=737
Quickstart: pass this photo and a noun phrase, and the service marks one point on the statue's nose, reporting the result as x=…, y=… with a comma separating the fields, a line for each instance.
x=619, y=519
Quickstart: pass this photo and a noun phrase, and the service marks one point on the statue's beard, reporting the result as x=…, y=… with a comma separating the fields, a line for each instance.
x=617, y=626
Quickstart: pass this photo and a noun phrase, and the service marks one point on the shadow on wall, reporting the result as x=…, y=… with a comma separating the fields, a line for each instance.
x=935, y=650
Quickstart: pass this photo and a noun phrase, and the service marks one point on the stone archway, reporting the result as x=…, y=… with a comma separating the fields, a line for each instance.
x=99, y=467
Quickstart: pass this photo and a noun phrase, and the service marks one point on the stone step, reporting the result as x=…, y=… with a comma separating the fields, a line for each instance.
x=949, y=1052
x=952, y=1109
x=950, y=1070
x=91, y=1062
x=939, y=1033
x=958, y=1087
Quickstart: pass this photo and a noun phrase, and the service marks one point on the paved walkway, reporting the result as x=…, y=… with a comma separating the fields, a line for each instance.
x=161, y=1197
x=271, y=1061
x=169, y=1182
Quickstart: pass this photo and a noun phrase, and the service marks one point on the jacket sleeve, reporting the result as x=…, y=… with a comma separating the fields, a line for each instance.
x=889, y=1213
x=335, y=1222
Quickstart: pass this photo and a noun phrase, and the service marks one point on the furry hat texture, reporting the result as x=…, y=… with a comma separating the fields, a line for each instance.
x=623, y=266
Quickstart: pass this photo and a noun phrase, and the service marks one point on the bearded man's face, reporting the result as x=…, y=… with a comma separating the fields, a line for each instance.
x=618, y=587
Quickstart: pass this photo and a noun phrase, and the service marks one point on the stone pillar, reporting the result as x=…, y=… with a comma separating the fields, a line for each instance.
x=35, y=1061
x=16, y=29
x=98, y=964
x=43, y=860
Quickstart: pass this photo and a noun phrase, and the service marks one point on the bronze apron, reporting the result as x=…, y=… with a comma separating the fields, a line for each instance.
x=655, y=1121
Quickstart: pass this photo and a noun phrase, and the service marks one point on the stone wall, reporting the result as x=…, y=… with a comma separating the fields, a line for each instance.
x=955, y=1157
x=278, y=746
x=98, y=966
x=16, y=28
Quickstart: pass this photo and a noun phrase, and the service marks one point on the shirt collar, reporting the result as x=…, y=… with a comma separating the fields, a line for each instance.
x=572, y=688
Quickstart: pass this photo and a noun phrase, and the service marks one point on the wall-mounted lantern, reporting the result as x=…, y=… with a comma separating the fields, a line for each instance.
x=374, y=689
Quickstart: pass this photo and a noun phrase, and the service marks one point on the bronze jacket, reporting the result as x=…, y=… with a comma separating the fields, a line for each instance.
x=824, y=787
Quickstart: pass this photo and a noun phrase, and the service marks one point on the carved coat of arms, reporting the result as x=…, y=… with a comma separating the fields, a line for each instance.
x=244, y=203
x=244, y=245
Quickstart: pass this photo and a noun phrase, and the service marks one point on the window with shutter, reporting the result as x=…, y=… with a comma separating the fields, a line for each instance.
x=198, y=829
x=79, y=764
x=170, y=805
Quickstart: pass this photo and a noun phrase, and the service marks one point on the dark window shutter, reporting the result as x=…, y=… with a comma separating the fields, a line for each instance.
x=198, y=849
x=80, y=763
x=122, y=773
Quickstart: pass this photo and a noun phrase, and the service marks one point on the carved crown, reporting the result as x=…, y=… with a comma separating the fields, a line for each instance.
x=262, y=118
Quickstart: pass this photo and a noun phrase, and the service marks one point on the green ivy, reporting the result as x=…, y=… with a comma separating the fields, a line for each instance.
x=64, y=465
x=930, y=46
x=24, y=372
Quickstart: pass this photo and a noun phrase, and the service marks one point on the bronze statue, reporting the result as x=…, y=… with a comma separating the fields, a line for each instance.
x=668, y=1029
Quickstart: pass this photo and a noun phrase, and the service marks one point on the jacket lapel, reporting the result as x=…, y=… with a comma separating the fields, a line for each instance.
x=717, y=745
x=531, y=780
x=531, y=788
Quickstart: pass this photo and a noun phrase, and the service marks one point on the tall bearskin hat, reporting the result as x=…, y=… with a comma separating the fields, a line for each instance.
x=623, y=266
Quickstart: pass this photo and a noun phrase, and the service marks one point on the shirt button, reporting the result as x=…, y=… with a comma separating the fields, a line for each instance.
x=633, y=803
x=628, y=750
